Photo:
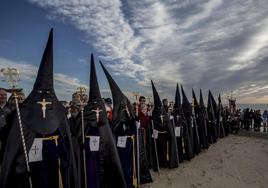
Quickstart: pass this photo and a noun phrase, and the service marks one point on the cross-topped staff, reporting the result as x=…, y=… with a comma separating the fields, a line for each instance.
x=81, y=91
x=11, y=76
x=97, y=111
x=194, y=122
x=136, y=95
x=149, y=98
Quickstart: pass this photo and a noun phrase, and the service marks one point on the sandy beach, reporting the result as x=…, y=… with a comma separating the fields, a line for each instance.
x=233, y=162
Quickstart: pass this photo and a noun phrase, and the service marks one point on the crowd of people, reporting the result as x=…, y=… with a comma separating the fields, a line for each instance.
x=95, y=142
x=251, y=120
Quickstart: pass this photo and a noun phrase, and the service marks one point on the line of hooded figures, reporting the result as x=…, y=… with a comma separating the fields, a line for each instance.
x=46, y=149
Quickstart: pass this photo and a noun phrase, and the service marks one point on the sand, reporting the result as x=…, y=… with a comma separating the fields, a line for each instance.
x=233, y=162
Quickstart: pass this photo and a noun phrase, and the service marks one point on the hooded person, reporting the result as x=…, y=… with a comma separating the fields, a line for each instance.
x=196, y=126
x=44, y=155
x=181, y=129
x=213, y=134
x=221, y=132
x=203, y=122
x=146, y=129
x=103, y=167
x=217, y=116
x=165, y=140
x=187, y=111
x=124, y=129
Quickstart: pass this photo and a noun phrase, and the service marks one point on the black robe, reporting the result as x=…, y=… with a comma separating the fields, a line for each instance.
x=124, y=124
x=166, y=141
x=203, y=132
x=44, y=173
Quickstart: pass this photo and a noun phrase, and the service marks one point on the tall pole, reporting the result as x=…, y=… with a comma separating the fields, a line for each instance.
x=136, y=95
x=12, y=77
x=81, y=91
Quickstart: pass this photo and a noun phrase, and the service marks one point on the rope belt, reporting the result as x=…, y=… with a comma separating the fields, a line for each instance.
x=55, y=138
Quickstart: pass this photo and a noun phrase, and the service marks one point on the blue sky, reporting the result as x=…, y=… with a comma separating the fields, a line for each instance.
x=220, y=45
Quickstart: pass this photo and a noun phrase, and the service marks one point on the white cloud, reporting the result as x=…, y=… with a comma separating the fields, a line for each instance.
x=207, y=10
x=251, y=50
x=64, y=85
x=195, y=42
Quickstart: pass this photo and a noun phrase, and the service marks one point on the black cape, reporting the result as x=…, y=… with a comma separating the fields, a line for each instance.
x=166, y=141
x=196, y=129
x=202, y=119
x=183, y=140
x=221, y=131
x=212, y=124
x=103, y=166
x=187, y=111
x=124, y=124
x=57, y=165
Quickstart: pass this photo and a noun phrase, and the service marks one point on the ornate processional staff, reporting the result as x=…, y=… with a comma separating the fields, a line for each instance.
x=136, y=95
x=82, y=104
x=11, y=76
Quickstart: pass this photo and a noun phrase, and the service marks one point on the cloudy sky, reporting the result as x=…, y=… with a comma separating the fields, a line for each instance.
x=220, y=45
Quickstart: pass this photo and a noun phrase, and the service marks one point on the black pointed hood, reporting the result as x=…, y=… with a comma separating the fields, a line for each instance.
x=210, y=107
x=177, y=98
x=213, y=101
x=219, y=102
x=94, y=90
x=111, y=169
x=201, y=100
x=157, y=100
x=116, y=91
x=44, y=79
x=95, y=102
x=195, y=103
x=120, y=101
x=38, y=119
x=186, y=105
x=159, y=111
x=194, y=98
x=178, y=106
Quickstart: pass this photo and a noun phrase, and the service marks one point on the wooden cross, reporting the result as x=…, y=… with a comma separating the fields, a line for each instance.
x=97, y=111
x=44, y=104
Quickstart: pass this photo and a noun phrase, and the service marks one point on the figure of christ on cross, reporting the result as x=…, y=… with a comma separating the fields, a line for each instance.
x=97, y=111
x=162, y=118
x=177, y=116
x=44, y=104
